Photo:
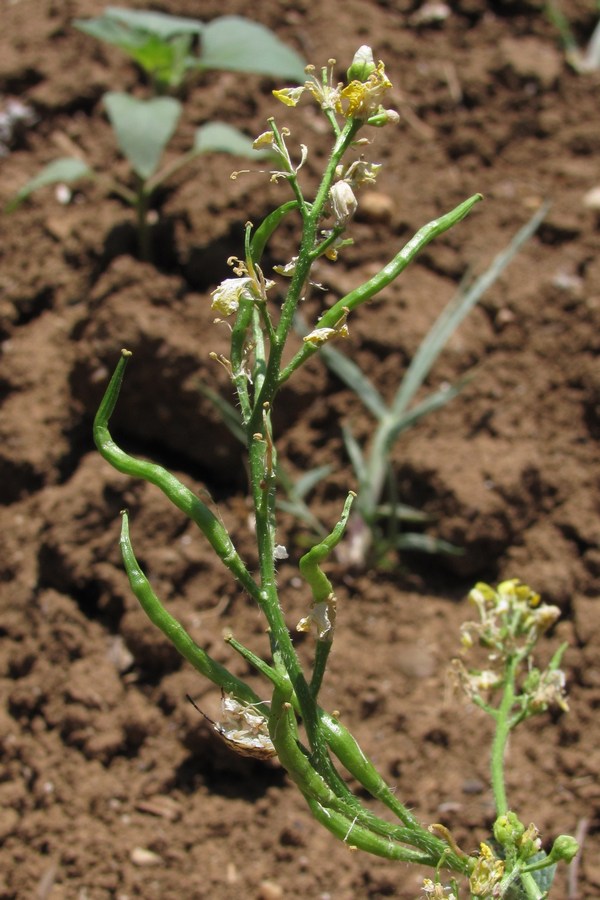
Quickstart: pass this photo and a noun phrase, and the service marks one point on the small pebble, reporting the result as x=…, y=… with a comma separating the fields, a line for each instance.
x=269, y=890
x=140, y=856
x=591, y=199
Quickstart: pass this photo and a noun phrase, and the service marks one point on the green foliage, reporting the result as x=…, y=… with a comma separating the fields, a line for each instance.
x=165, y=46
x=66, y=170
x=142, y=128
x=511, y=616
x=380, y=526
x=162, y=45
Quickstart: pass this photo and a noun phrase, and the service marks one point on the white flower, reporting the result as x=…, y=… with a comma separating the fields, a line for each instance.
x=226, y=298
x=343, y=202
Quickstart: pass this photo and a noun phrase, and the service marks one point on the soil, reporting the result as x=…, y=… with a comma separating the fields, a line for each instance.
x=113, y=785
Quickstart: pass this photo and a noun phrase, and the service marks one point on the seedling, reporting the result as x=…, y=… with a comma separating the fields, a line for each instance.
x=512, y=618
x=378, y=523
x=142, y=128
x=581, y=59
x=171, y=49
x=161, y=44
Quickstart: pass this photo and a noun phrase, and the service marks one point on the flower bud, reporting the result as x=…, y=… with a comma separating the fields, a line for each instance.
x=530, y=842
x=362, y=65
x=343, y=202
x=508, y=830
x=564, y=848
x=384, y=117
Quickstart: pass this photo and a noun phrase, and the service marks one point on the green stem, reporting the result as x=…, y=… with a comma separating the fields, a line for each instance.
x=311, y=220
x=503, y=728
x=142, y=205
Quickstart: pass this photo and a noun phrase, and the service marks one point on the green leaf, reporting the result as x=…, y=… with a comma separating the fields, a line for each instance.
x=162, y=25
x=432, y=402
x=131, y=29
x=159, y=43
x=425, y=543
x=310, y=480
x=240, y=45
x=355, y=455
x=403, y=513
x=64, y=170
x=223, y=138
x=111, y=32
x=348, y=372
x=229, y=413
x=143, y=128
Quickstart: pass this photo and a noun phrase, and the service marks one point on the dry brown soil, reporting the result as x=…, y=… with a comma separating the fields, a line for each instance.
x=103, y=758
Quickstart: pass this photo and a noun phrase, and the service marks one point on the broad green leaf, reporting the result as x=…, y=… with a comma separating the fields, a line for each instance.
x=220, y=137
x=111, y=32
x=143, y=128
x=159, y=43
x=162, y=25
x=240, y=45
x=64, y=170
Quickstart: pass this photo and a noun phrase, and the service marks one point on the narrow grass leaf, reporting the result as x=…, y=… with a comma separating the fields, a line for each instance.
x=455, y=312
x=403, y=512
x=228, y=412
x=348, y=372
x=143, y=128
x=238, y=45
x=307, y=482
x=294, y=504
x=355, y=455
x=431, y=403
x=425, y=543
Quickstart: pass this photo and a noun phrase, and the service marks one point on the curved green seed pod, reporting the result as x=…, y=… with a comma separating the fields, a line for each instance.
x=178, y=494
x=358, y=837
x=316, y=579
x=173, y=630
x=269, y=224
x=283, y=731
x=349, y=753
x=379, y=281
x=324, y=600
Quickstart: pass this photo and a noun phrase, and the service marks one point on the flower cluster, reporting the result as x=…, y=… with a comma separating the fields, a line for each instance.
x=511, y=617
x=511, y=834
x=487, y=873
x=435, y=890
x=511, y=620
x=361, y=98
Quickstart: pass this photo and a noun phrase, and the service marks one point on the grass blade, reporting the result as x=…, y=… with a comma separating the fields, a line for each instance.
x=455, y=312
